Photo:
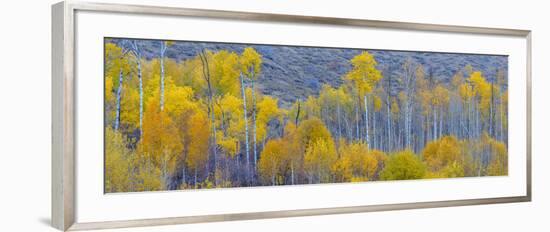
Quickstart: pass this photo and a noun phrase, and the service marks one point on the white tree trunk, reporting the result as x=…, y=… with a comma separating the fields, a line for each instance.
x=118, y=99
x=374, y=130
x=440, y=121
x=434, y=124
x=137, y=53
x=245, y=124
x=388, y=126
x=366, y=120
x=357, y=121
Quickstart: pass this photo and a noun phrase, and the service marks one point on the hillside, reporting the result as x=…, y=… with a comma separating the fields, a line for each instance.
x=291, y=73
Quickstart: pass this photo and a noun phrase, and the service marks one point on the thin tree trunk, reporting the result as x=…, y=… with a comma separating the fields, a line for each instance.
x=137, y=53
x=140, y=100
x=164, y=172
x=254, y=123
x=366, y=120
x=501, y=124
x=195, y=177
x=407, y=127
x=292, y=173
x=357, y=121
x=491, y=132
x=339, y=122
x=118, y=99
x=434, y=135
x=374, y=129
x=440, y=122
x=410, y=125
x=206, y=73
x=245, y=124
x=183, y=181
x=388, y=122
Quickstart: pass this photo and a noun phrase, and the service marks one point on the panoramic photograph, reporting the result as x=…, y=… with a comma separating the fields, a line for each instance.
x=182, y=115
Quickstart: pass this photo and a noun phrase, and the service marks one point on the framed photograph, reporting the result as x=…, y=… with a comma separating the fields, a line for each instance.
x=165, y=115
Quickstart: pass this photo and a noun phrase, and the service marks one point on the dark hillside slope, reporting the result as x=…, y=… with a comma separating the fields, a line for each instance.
x=291, y=73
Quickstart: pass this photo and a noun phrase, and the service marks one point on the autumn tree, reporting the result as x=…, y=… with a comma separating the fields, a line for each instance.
x=210, y=121
x=230, y=110
x=318, y=159
x=268, y=110
x=445, y=157
x=357, y=162
x=363, y=77
x=440, y=101
x=163, y=47
x=294, y=151
x=198, y=146
x=136, y=50
x=407, y=97
x=403, y=165
x=116, y=64
x=117, y=163
x=334, y=105
x=273, y=162
x=498, y=163
x=251, y=63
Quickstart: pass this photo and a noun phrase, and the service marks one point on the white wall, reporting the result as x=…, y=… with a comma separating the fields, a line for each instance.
x=25, y=115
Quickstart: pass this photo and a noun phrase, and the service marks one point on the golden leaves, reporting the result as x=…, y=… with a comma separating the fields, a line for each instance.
x=251, y=63
x=364, y=74
x=403, y=165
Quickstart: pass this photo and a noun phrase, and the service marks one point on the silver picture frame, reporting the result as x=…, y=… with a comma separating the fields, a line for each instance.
x=64, y=111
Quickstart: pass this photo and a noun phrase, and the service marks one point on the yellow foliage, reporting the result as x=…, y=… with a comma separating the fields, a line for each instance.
x=125, y=170
x=115, y=61
x=267, y=110
x=457, y=80
x=199, y=128
x=129, y=112
x=148, y=176
x=228, y=144
x=498, y=165
x=377, y=103
x=224, y=72
x=440, y=96
x=364, y=74
x=394, y=107
x=117, y=162
x=109, y=91
x=312, y=130
x=482, y=89
x=403, y=165
x=452, y=170
x=293, y=145
x=181, y=136
x=251, y=63
x=466, y=92
x=318, y=159
x=311, y=108
x=162, y=140
x=229, y=112
x=357, y=162
x=273, y=161
x=178, y=100
x=443, y=152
